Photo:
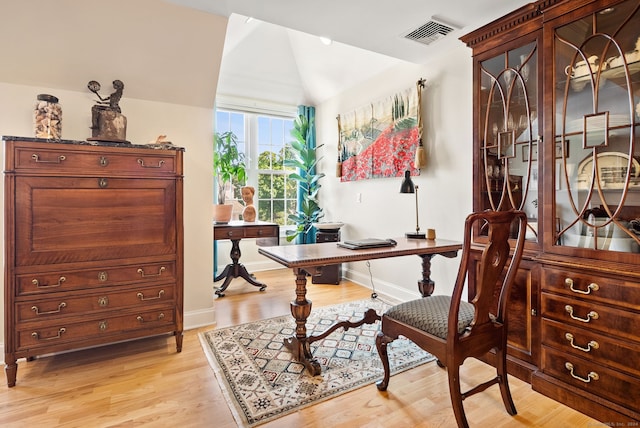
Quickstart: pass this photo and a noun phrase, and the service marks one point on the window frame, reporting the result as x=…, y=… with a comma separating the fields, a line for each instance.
x=251, y=145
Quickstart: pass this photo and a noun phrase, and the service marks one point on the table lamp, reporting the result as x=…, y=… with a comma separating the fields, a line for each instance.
x=408, y=187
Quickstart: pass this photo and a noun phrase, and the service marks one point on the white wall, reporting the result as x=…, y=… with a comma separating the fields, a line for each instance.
x=188, y=127
x=445, y=196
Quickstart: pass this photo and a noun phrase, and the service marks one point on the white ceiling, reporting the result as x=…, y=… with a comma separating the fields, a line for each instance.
x=278, y=56
x=173, y=50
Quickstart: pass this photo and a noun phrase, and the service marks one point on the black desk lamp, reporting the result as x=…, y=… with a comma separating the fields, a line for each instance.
x=408, y=187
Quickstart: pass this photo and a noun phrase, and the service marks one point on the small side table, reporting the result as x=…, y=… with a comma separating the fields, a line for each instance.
x=266, y=234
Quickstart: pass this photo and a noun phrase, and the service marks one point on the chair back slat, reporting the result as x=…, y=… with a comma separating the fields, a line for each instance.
x=496, y=268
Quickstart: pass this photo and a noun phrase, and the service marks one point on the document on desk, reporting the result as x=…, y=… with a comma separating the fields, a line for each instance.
x=359, y=244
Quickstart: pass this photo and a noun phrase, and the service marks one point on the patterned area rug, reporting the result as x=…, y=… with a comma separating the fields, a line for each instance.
x=262, y=382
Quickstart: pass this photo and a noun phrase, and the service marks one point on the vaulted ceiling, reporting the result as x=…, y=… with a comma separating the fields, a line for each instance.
x=278, y=56
x=174, y=50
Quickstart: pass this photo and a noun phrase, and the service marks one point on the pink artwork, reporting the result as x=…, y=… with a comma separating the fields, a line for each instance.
x=380, y=139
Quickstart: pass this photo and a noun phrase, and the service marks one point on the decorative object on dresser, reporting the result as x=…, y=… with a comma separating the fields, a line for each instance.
x=93, y=245
x=107, y=121
x=47, y=117
x=572, y=66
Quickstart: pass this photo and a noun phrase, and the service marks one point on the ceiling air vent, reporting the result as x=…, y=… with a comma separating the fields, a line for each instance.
x=430, y=32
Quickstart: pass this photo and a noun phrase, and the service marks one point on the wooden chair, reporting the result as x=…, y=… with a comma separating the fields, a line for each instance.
x=452, y=329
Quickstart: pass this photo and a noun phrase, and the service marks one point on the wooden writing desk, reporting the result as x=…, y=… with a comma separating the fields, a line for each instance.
x=310, y=258
x=266, y=234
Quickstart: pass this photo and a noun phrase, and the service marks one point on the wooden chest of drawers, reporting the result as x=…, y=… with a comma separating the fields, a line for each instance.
x=93, y=245
x=590, y=338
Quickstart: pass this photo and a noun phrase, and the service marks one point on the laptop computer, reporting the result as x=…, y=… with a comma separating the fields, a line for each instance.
x=359, y=244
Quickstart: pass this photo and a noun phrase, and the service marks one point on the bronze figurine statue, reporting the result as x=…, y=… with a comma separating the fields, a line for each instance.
x=107, y=121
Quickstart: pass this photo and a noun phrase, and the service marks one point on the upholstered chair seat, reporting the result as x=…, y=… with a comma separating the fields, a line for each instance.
x=431, y=314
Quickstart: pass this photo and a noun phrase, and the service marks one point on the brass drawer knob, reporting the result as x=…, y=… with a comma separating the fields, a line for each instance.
x=55, y=311
x=591, y=345
x=144, y=275
x=36, y=335
x=59, y=159
x=590, y=376
x=591, y=315
x=159, y=296
x=142, y=320
x=142, y=164
x=591, y=287
x=58, y=284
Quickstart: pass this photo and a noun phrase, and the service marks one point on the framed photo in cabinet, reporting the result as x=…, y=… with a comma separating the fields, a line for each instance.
x=558, y=151
x=534, y=152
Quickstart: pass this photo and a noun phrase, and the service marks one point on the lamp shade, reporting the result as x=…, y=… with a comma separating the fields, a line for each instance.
x=407, y=185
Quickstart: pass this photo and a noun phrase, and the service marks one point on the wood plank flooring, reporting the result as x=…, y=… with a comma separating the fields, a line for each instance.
x=146, y=383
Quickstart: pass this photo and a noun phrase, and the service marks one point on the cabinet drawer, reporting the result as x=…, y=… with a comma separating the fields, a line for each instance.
x=66, y=220
x=592, y=287
x=60, y=281
x=246, y=231
x=261, y=232
x=66, y=306
x=57, y=159
x=600, y=349
x=589, y=376
x=59, y=332
x=604, y=319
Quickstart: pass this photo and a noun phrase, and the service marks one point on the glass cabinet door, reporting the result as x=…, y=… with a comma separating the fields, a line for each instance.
x=596, y=80
x=509, y=133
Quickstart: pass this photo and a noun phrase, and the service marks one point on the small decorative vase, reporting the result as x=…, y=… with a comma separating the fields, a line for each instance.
x=222, y=213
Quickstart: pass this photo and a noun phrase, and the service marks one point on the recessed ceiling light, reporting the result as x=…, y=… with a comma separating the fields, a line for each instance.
x=325, y=41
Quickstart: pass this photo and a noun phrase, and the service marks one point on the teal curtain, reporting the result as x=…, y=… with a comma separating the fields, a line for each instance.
x=310, y=113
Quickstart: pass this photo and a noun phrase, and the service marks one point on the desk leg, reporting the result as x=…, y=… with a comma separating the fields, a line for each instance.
x=299, y=345
x=426, y=285
x=236, y=269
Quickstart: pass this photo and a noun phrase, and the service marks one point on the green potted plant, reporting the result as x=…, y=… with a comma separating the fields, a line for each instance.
x=305, y=160
x=230, y=171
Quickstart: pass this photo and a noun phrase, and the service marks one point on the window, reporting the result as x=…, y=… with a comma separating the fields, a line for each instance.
x=266, y=141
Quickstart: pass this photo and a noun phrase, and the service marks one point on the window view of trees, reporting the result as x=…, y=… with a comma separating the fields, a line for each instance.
x=266, y=141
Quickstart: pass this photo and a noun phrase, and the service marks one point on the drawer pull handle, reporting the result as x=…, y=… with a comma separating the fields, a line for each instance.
x=590, y=376
x=160, y=163
x=55, y=311
x=60, y=281
x=159, y=296
x=144, y=275
x=59, y=159
x=36, y=336
x=102, y=276
x=160, y=317
x=591, y=287
x=591, y=345
x=103, y=301
x=103, y=183
x=591, y=315
x=103, y=161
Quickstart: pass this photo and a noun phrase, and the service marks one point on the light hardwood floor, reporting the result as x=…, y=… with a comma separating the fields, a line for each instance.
x=146, y=383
